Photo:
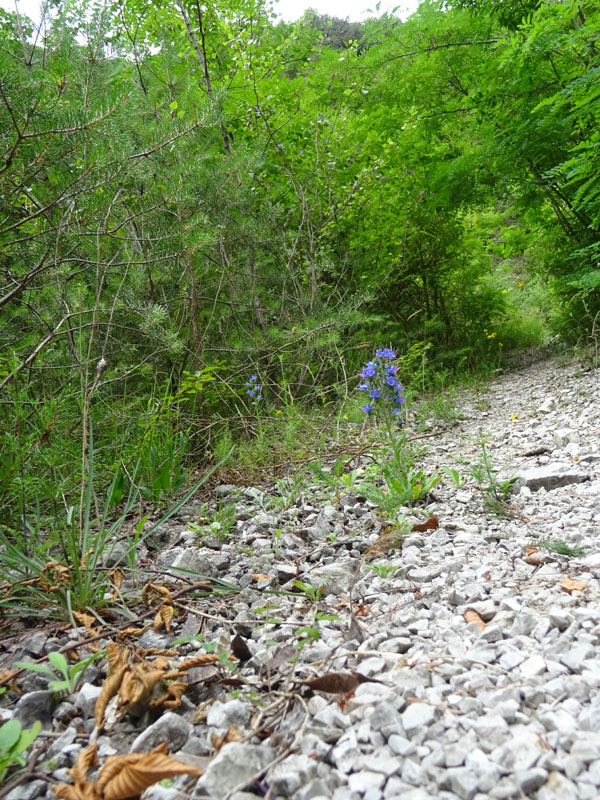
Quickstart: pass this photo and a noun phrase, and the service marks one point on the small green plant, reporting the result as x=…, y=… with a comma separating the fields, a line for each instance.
x=332, y=478
x=306, y=635
x=14, y=741
x=441, y=407
x=289, y=491
x=454, y=476
x=486, y=474
x=381, y=570
x=276, y=538
x=219, y=522
x=313, y=593
x=349, y=479
x=64, y=677
x=562, y=548
x=166, y=468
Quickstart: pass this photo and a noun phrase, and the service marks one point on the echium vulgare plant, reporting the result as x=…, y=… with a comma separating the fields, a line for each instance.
x=386, y=396
x=385, y=403
x=254, y=389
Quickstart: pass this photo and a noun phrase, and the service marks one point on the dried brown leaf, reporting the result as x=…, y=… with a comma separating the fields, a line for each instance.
x=153, y=592
x=117, y=667
x=88, y=758
x=199, y=661
x=64, y=791
x=569, y=585
x=172, y=697
x=139, y=681
x=116, y=577
x=53, y=576
x=536, y=559
x=240, y=649
x=335, y=682
x=135, y=776
x=164, y=617
x=473, y=616
x=431, y=524
x=87, y=621
x=232, y=734
x=258, y=576
x=133, y=631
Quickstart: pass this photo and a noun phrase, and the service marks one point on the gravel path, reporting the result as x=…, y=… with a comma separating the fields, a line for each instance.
x=465, y=666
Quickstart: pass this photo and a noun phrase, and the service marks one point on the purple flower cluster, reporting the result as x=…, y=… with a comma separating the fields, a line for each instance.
x=254, y=389
x=380, y=382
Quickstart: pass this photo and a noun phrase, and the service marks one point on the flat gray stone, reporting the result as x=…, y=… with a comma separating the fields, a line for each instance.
x=86, y=697
x=289, y=775
x=549, y=476
x=557, y=787
x=169, y=728
x=416, y=717
x=235, y=764
x=36, y=706
x=224, y=715
x=28, y=791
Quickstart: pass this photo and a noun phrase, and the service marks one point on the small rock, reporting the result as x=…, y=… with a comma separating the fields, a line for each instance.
x=86, y=698
x=169, y=728
x=28, y=791
x=416, y=717
x=36, y=706
x=224, y=715
x=235, y=764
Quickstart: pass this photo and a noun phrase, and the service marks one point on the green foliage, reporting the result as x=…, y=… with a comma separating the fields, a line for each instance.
x=381, y=569
x=562, y=548
x=487, y=475
x=312, y=593
x=63, y=678
x=14, y=741
x=454, y=475
x=266, y=198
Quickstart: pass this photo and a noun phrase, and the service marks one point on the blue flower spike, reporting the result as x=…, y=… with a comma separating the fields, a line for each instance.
x=385, y=393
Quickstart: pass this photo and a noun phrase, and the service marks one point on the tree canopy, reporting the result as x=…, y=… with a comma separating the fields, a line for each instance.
x=193, y=192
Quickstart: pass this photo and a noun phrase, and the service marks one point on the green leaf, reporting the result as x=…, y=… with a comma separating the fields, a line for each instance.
x=43, y=669
x=60, y=664
x=28, y=736
x=173, y=105
x=10, y=734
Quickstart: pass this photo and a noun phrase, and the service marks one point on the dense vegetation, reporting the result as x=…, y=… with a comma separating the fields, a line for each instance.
x=193, y=194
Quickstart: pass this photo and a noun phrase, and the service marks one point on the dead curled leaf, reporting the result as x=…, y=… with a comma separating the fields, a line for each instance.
x=172, y=697
x=199, y=661
x=117, y=666
x=153, y=592
x=338, y=682
x=431, y=524
x=232, y=734
x=135, y=682
x=473, y=616
x=164, y=617
x=569, y=585
x=87, y=621
x=121, y=777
